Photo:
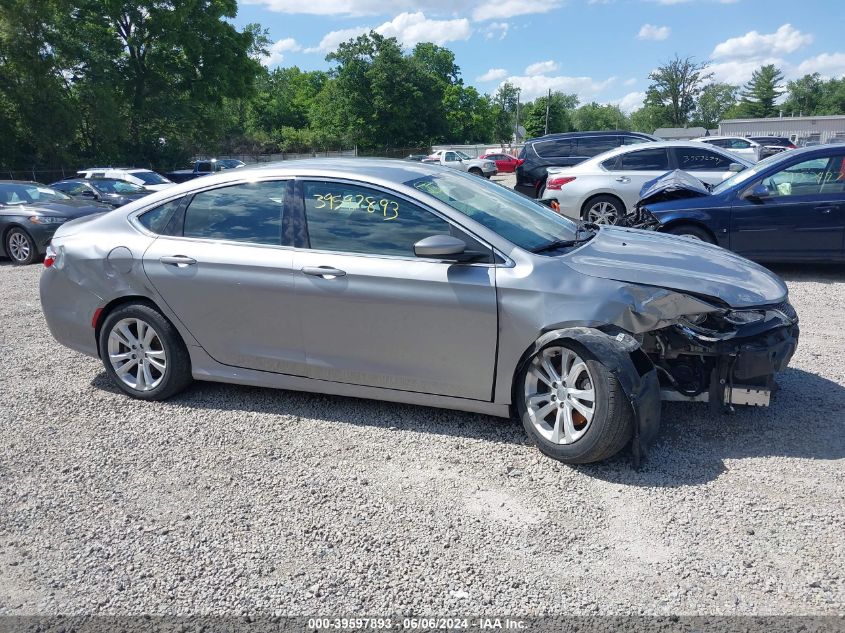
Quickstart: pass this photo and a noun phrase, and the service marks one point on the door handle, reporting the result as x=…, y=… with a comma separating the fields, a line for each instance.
x=326, y=272
x=623, y=179
x=177, y=260
x=825, y=208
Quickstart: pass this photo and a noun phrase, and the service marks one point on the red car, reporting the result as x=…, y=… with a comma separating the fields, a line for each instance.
x=505, y=163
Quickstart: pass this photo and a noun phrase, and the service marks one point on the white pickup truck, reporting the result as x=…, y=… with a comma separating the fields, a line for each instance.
x=458, y=160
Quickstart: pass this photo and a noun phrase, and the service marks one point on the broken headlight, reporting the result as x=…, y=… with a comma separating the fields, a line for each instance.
x=743, y=317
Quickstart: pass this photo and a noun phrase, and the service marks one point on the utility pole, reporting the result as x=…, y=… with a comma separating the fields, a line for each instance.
x=516, y=129
x=548, y=101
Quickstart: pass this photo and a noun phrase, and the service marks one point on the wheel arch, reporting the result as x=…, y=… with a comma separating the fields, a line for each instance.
x=7, y=229
x=102, y=313
x=665, y=228
x=622, y=355
x=600, y=194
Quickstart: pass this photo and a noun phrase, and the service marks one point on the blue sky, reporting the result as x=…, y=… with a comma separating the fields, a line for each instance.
x=603, y=50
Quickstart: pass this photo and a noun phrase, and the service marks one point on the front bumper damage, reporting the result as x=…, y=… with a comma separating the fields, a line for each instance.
x=724, y=363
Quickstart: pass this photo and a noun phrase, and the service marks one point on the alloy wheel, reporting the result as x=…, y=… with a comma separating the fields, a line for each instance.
x=136, y=354
x=19, y=248
x=560, y=396
x=603, y=213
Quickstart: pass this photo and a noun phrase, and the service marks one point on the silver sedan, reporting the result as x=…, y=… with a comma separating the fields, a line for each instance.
x=416, y=283
x=606, y=187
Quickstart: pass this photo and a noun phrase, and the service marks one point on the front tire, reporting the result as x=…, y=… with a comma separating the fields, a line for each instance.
x=475, y=171
x=692, y=232
x=20, y=247
x=143, y=353
x=571, y=406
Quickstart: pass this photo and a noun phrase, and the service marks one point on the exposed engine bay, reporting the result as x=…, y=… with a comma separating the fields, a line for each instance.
x=724, y=358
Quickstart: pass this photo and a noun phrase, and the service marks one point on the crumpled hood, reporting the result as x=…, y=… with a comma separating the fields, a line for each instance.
x=673, y=185
x=677, y=263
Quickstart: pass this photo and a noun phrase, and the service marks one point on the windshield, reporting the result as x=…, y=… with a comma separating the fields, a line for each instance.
x=117, y=186
x=517, y=218
x=463, y=156
x=21, y=193
x=746, y=174
x=150, y=177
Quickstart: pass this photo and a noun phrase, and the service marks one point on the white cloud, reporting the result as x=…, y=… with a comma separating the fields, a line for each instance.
x=332, y=39
x=631, y=81
x=541, y=68
x=538, y=85
x=412, y=28
x=500, y=9
x=342, y=7
x=738, y=72
x=276, y=53
x=496, y=30
x=480, y=9
x=827, y=65
x=630, y=102
x=494, y=74
x=409, y=28
x=652, y=32
x=786, y=39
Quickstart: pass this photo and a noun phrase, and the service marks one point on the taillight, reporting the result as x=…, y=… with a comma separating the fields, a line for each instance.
x=558, y=182
x=50, y=256
x=519, y=161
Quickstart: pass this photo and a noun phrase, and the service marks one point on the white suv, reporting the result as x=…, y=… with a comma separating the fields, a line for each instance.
x=143, y=177
x=742, y=147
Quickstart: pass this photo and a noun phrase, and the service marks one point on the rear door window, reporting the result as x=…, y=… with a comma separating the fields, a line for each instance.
x=594, y=145
x=645, y=160
x=248, y=212
x=557, y=148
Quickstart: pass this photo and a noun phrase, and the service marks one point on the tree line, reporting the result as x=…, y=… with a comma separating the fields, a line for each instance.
x=152, y=82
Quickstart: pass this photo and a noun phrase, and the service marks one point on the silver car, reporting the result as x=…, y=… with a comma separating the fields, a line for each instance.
x=415, y=283
x=458, y=160
x=606, y=187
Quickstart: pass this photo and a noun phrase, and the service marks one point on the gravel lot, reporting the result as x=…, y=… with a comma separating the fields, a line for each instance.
x=231, y=500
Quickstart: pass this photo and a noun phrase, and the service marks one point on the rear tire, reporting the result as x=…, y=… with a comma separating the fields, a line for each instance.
x=552, y=415
x=20, y=247
x=603, y=210
x=143, y=353
x=691, y=231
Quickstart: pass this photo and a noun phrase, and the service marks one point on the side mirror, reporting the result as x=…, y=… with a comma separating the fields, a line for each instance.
x=89, y=194
x=757, y=192
x=736, y=167
x=439, y=246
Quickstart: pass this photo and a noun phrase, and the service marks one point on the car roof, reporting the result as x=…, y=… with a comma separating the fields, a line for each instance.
x=722, y=138
x=558, y=135
x=624, y=149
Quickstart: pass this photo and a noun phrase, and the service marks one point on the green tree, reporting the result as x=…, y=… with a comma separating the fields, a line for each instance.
x=650, y=117
x=676, y=86
x=595, y=116
x=805, y=96
x=560, y=109
x=758, y=96
x=504, y=112
x=713, y=102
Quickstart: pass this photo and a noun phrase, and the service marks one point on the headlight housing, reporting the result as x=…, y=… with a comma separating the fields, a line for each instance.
x=46, y=219
x=744, y=317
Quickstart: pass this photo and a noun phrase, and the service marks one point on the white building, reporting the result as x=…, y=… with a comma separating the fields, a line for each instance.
x=801, y=130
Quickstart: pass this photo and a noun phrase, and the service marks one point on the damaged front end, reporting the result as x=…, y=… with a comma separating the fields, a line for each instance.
x=725, y=357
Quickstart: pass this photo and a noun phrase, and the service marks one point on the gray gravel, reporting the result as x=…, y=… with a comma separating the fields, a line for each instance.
x=239, y=500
